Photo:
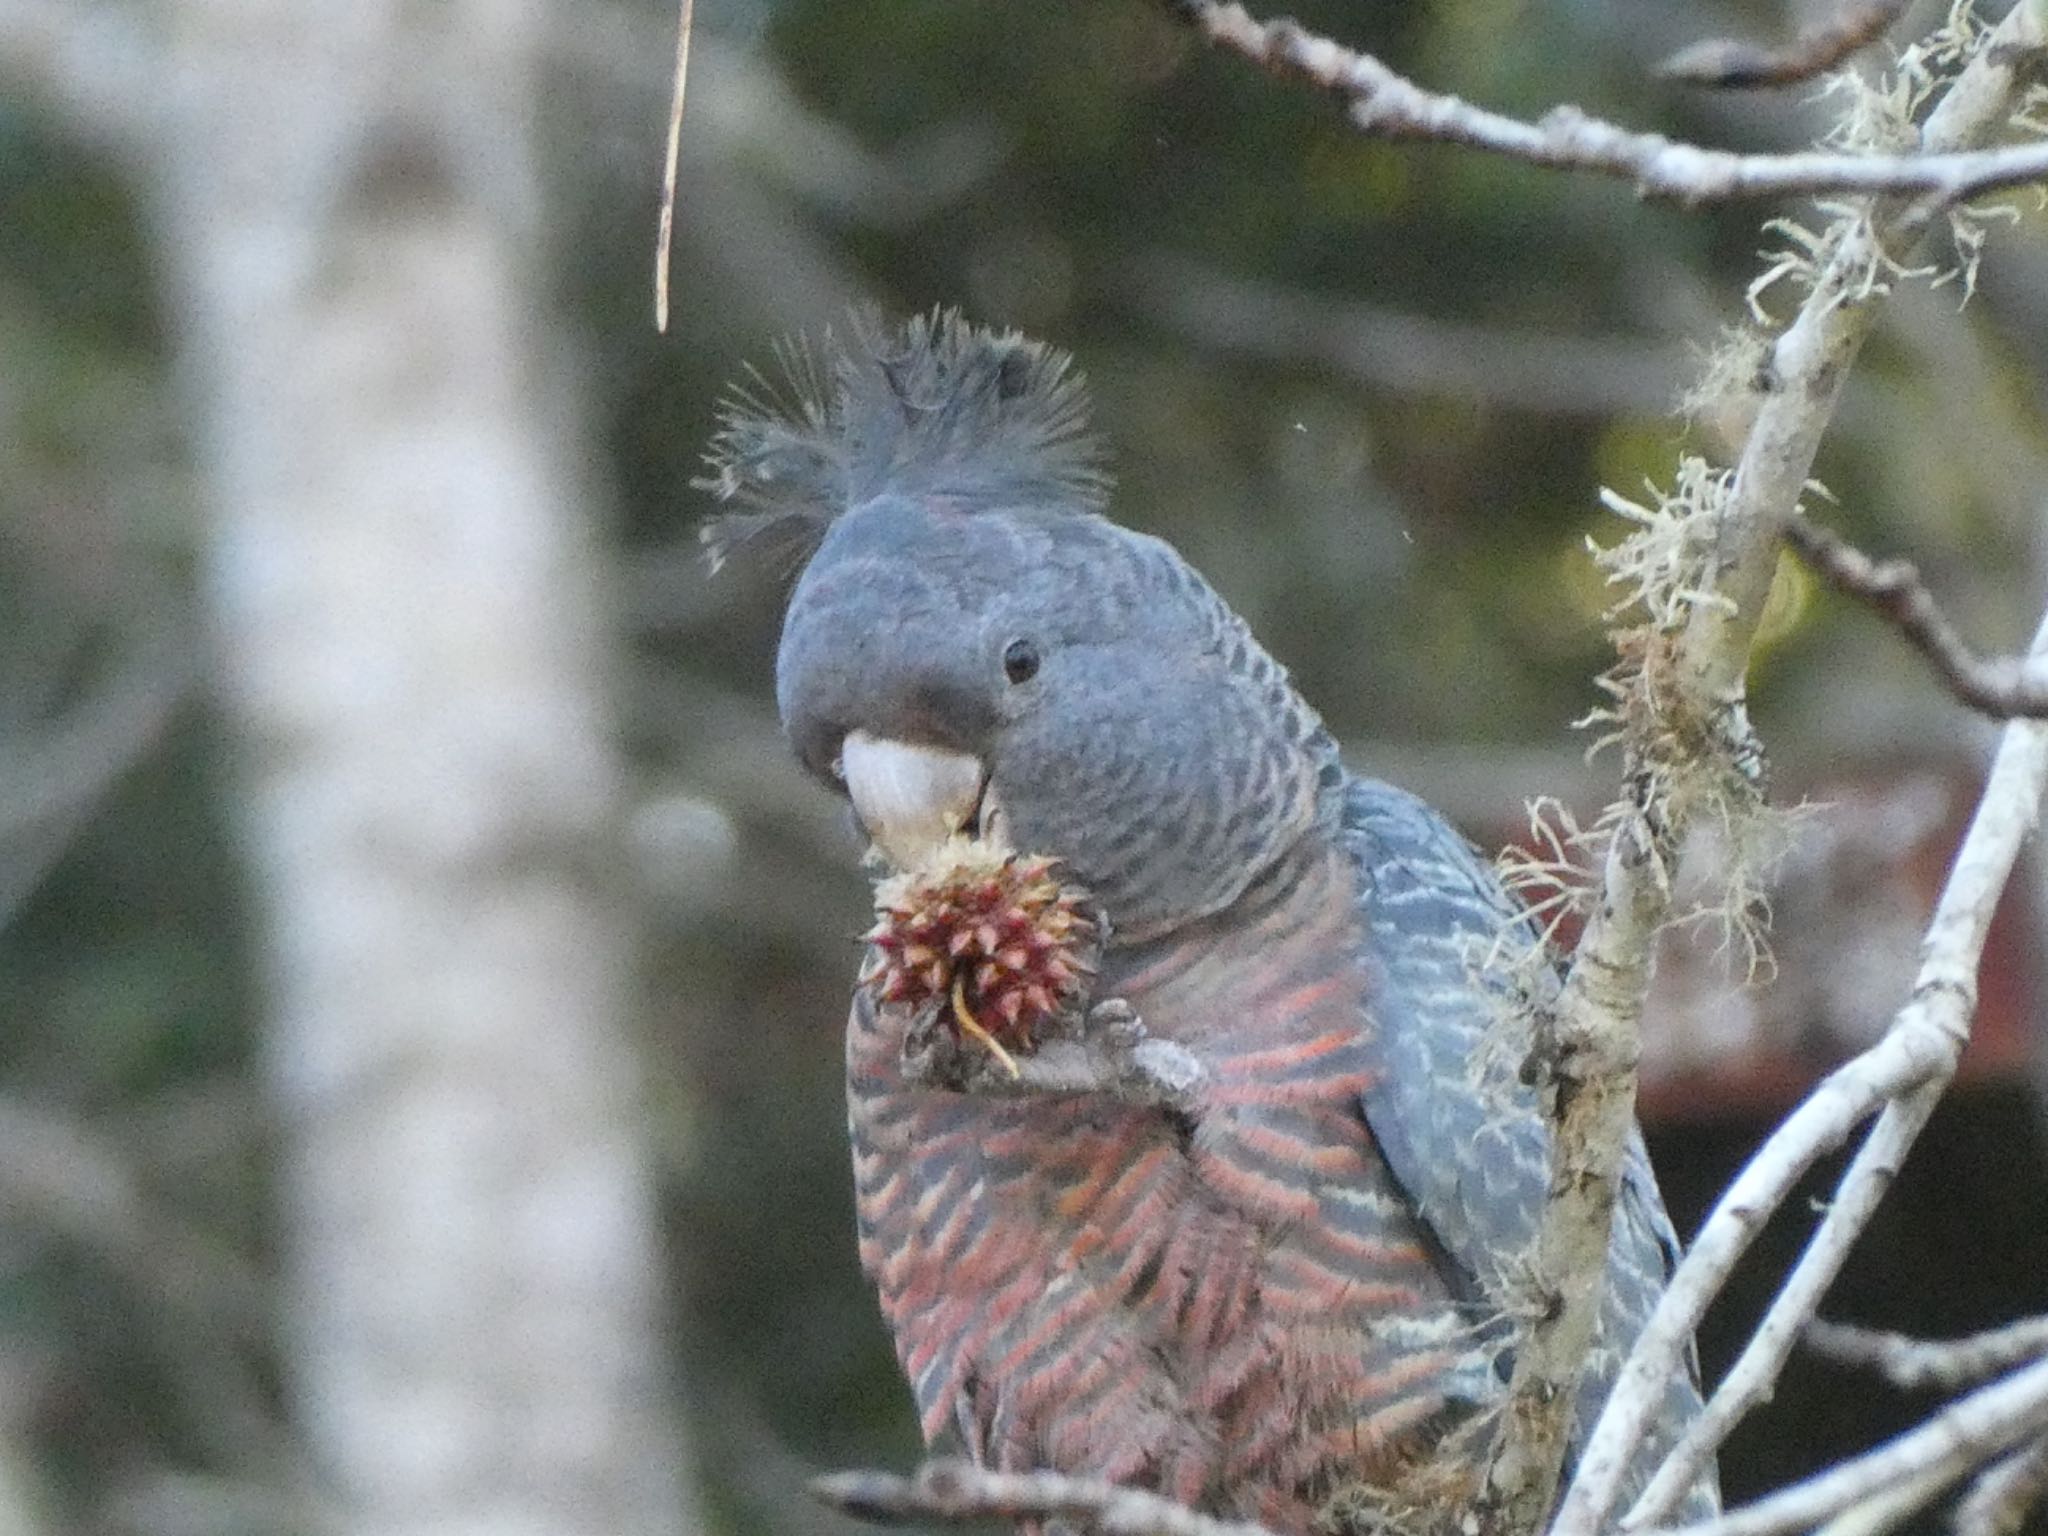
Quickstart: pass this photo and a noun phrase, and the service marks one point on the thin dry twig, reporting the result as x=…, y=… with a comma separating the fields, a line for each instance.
x=2001, y=686
x=1945, y=1449
x=1749, y=1381
x=1596, y=1024
x=1385, y=104
x=54, y=775
x=1418, y=354
x=1914, y=1364
x=1892, y=1508
x=57, y=1176
x=672, y=156
x=2001, y=1499
x=956, y=1491
x=1731, y=64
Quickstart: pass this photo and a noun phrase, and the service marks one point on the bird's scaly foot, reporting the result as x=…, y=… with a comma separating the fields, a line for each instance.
x=1102, y=1049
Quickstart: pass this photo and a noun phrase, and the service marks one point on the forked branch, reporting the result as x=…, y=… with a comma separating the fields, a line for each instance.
x=1382, y=103
x=1907, y=1473
x=2002, y=686
x=1912, y=1364
x=1731, y=64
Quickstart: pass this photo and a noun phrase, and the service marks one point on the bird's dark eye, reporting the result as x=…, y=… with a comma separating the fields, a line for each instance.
x=1020, y=661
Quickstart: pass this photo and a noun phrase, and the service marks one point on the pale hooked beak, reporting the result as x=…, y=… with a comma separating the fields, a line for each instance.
x=910, y=798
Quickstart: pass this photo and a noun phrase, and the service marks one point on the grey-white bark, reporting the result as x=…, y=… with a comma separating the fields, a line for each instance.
x=408, y=627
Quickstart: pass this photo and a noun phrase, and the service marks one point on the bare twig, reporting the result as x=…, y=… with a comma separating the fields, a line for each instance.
x=1594, y=1036
x=53, y=774
x=2002, y=686
x=1950, y=1445
x=955, y=1491
x=671, y=157
x=1413, y=353
x=1891, y=1508
x=1912, y=1364
x=1749, y=1381
x=1999, y=1503
x=1731, y=64
x=57, y=1176
x=1383, y=104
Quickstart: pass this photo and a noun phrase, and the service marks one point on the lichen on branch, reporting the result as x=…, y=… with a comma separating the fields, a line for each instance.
x=1841, y=271
x=1697, y=571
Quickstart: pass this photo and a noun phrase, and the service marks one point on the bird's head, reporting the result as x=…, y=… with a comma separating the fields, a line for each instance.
x=972, y=647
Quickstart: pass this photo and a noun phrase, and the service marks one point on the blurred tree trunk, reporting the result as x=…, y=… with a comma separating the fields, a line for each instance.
x=409, y=623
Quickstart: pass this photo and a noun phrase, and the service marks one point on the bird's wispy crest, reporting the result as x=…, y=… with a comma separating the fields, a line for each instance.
x=934, y=407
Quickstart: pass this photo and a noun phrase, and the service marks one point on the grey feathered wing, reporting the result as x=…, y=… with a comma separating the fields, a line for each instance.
x=1462, y=1133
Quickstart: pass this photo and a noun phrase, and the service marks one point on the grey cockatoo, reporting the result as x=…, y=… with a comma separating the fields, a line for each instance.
x=1294, y=1295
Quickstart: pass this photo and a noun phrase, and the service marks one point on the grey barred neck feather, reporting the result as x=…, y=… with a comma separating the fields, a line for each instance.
x=934, y=407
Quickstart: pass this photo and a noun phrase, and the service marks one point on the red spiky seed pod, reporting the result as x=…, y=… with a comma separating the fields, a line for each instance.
x=992, y=936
